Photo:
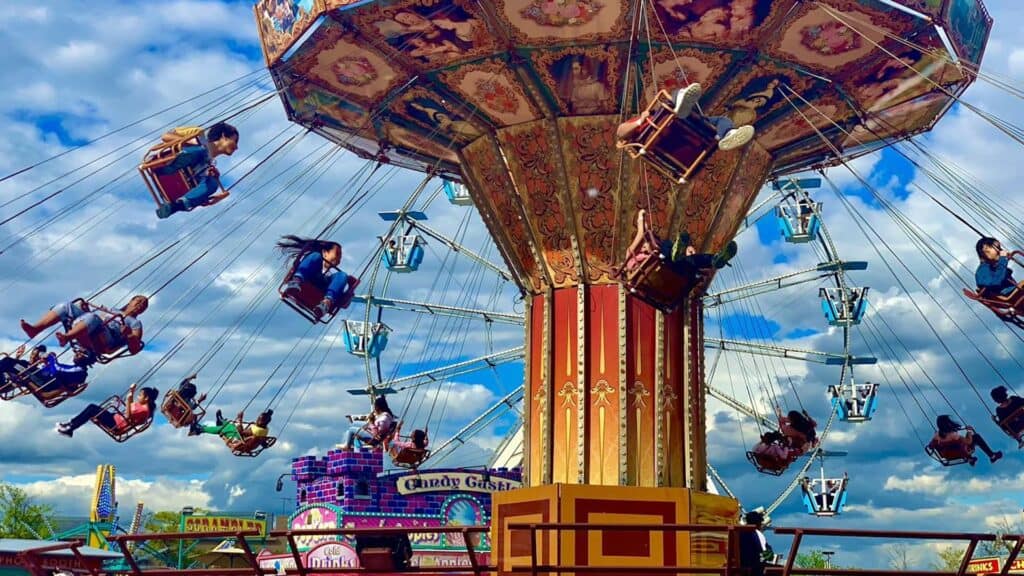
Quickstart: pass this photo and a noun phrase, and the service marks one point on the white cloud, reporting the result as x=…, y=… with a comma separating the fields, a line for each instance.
x=72, y=494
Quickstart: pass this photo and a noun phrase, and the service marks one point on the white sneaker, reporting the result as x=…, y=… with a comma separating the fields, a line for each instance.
x=686, y=99
x=736, y=137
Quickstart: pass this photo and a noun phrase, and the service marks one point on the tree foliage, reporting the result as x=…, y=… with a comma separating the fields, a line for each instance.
x=949, y=559
x=814, y=559
x=21, y=516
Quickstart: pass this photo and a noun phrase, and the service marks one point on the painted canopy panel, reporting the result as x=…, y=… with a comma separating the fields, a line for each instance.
x=529, y=86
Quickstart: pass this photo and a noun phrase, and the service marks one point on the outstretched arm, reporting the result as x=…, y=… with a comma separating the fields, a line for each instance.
x=627, y=127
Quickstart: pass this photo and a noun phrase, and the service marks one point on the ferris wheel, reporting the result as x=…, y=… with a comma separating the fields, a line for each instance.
x=486, y=301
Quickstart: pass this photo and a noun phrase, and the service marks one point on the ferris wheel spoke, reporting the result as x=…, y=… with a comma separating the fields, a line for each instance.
x=460, y=249
x=740, y=407
x=509, y=454
x=763, y=208
x=458, y=368
x=818, y=272
x=441, y=309
x=829, y=358
x=498, y=409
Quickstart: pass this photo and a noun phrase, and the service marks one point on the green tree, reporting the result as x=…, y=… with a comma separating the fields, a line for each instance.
x=949, y=559
x=21, y=516
x=812, y=559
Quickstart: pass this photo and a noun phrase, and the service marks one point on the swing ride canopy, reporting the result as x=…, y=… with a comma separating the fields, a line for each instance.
x=519, y=99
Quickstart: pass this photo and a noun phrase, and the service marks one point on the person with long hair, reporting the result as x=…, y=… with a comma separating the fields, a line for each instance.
x=947, y=439
x=139, y=409
x=993, y=276
x=379, y=425
x=774, y=451
x=318, y=264
x=799, y=429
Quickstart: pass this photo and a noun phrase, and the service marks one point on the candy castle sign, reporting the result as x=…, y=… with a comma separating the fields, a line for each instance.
x=453, y=482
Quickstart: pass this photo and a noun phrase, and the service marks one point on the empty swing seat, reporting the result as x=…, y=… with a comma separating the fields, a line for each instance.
x=457, y=193
x=178, y=412
x=116, y=407
x=166, y=188
x=365, y=339
x=674, y=146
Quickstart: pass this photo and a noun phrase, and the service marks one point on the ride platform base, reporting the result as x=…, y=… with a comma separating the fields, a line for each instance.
x=586, y=517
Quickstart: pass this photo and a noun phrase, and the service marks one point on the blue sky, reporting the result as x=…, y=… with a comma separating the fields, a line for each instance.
x=75, y=74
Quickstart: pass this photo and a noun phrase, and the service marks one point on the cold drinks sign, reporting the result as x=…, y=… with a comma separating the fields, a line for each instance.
x=453, y=482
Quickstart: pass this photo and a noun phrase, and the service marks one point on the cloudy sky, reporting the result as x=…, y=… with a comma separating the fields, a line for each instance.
x=73, y=75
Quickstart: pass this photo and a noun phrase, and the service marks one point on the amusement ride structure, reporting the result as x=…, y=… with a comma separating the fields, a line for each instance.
x=513, y=109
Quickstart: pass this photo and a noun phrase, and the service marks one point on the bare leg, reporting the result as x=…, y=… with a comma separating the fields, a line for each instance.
x=48, y=320
x=78, y=332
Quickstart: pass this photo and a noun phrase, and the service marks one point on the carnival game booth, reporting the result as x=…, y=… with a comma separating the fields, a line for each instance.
x=46, y=557
x=349, y=489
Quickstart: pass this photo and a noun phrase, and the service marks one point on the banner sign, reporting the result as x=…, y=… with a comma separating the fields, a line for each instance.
x=203, y=524
x=453, y=482
x=984, y=566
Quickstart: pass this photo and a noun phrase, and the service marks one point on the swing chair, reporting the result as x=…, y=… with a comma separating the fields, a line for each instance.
x=408, y=457
x=88, y=351
x=250, y=447
x=647, y=276
x=766, y=464
x=674, y=146
x=115, y=406
x=405, y=256
x=1007, y=425
x=179, y=413
x=306, y=300
x=166, y=188
x=949, y=454
x=1008, y=308
x=28, y=381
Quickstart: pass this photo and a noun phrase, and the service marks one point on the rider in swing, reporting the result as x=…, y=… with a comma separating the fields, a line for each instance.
x=221, y=140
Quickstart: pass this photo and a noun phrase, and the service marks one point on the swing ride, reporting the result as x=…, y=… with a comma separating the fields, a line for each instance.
x=515, y=107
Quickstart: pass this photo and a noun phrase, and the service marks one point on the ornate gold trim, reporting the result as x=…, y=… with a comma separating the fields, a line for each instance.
x=623, y=376
x=582, y=318
x=527, y=375
x=660, y=464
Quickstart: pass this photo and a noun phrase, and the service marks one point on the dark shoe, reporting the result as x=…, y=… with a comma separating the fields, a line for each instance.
x=65, y=429
x=972, y=460
x=727, y=253
x=680, y=245
x=995, y=457
x=220, y=418
x=194, y=429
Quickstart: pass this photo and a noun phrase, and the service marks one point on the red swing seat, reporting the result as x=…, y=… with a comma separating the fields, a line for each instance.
x=166, y=188
x=22, y=384
x=949, y=454
x=648, y=277
x=309, y=297
x=250, y=447
x=115, y=405
x=178, y=412
x=408, y=457
x=766, y=464
x=674, y=146
x=1008, y=308
x=1004, y=425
